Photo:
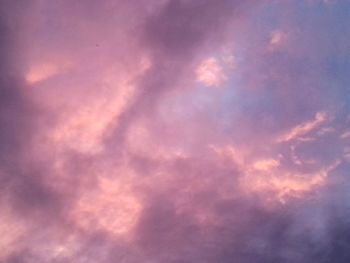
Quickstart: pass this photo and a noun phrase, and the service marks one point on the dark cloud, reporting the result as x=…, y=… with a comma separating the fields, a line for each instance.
x=22, y=178
x=182, y=27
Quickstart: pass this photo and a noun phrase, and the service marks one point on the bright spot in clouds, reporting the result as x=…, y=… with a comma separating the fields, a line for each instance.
x=43, y=71
x=277, y=38
x=210, y=73
x=109, y=208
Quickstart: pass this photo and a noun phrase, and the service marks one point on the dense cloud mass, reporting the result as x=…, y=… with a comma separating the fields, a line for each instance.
x=175, y=131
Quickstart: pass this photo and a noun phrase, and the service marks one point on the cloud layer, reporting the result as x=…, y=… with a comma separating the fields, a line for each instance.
x=174, y=131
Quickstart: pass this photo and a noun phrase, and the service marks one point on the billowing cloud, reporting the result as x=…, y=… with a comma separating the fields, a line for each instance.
x=174, y=131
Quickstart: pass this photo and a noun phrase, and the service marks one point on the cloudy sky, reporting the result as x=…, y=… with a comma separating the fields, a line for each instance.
x=175, y=131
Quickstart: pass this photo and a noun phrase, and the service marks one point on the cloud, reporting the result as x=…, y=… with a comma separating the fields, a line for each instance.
x=304, y=128
x=115, y=147
x=210, y=73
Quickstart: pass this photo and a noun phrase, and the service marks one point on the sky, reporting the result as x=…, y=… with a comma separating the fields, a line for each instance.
x=175, y=131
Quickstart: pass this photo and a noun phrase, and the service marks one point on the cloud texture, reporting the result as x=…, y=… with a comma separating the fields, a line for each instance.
x=174, y=131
